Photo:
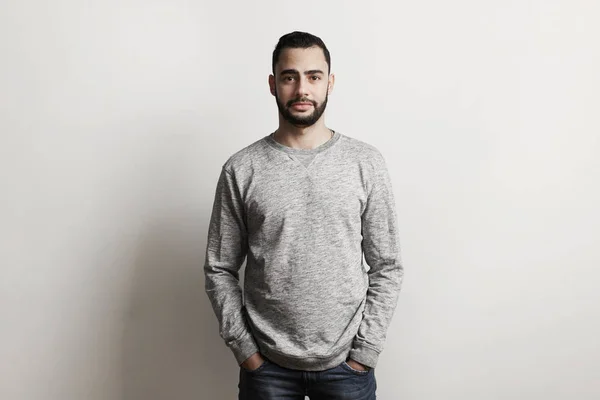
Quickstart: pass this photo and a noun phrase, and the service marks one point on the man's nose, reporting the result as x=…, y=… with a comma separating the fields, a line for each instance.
x=302, y=88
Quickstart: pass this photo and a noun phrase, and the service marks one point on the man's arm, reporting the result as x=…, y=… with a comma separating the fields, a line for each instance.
x=226, y=250
x=382, y=252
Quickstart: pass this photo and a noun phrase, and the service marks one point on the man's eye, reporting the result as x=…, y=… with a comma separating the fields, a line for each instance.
x=288, y=78
x=316, y=77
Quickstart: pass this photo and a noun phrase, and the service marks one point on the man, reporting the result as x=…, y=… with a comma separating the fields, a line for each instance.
x=303, y=204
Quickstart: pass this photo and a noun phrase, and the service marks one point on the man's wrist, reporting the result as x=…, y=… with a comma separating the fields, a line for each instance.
x=356, y=365
x=364, y=354
x=253, y=362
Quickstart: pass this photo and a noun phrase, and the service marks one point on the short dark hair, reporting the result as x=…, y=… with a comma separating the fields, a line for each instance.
x=300, y=40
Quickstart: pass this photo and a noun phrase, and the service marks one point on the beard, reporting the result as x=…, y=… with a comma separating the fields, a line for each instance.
x=301, y=120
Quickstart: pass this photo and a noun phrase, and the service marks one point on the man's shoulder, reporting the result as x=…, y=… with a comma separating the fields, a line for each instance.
x=246, y=156
x=361, y=150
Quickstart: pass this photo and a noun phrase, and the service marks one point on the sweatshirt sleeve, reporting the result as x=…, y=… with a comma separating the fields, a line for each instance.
x=226, y=250
x=381, y=249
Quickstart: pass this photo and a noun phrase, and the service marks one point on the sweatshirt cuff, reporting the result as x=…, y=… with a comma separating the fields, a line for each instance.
x=364, y=355
x=243, y=348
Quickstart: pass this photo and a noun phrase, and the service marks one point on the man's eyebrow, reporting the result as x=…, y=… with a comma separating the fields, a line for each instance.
x=295, y=72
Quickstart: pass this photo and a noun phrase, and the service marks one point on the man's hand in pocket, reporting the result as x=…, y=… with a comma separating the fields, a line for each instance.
x=253, y=362
x=356, y=365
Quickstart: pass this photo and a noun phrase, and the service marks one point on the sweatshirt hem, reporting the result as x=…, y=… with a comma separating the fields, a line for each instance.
x=308, y=363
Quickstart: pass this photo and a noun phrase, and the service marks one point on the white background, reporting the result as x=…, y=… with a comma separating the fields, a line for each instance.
x=115, y=119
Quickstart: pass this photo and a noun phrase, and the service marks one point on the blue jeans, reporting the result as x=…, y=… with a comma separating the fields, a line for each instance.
x=273, y=382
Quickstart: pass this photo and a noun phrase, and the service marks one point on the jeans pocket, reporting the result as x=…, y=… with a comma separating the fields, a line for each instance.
x=257, y=370
x=347, y=367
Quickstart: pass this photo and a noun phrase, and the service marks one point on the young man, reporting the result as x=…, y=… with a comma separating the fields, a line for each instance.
x=303, y=204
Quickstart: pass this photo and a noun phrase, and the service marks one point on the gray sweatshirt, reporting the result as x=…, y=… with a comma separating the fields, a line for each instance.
x=303, y=219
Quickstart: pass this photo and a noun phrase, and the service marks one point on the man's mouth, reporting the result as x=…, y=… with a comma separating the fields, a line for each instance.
x=301, y=105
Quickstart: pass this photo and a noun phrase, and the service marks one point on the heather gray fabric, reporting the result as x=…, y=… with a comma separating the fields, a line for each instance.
x=309, y=301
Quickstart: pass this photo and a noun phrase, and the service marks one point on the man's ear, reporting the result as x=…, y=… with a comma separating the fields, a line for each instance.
x=272, y=84
x=331, y=83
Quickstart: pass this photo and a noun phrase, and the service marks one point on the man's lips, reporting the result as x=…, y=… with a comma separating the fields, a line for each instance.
x=301, y=106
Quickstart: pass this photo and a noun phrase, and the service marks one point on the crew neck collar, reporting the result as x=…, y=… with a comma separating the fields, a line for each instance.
x=290, y=150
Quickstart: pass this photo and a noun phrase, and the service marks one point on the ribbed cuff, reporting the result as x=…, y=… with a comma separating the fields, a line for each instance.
x=364, y=355
x=243, y=348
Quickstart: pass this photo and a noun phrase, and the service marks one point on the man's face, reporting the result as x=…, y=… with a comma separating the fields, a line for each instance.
x=301, y=85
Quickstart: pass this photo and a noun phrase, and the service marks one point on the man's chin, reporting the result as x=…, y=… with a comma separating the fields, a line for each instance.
x=301, y=122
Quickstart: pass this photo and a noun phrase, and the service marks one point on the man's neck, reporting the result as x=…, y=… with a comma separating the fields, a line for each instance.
x=303, y=138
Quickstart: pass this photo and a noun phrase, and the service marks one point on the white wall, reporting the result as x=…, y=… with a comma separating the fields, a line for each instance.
x=116, y=116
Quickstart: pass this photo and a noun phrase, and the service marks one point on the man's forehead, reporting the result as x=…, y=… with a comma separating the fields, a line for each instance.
x=302, y=59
